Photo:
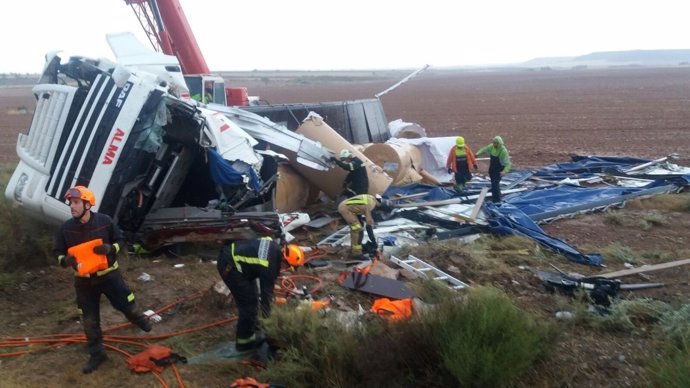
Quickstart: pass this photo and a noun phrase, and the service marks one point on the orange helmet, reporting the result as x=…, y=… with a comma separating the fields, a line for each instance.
x=81, y=192
x=293, y=255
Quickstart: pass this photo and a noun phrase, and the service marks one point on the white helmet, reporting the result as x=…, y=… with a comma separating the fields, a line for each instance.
x=345, y=153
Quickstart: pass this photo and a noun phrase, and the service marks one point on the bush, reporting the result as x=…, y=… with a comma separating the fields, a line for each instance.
x=619, y=252
x=672, y=369
x=627, y=315
x=481, y=339
x=487, y=341
x=613, y=218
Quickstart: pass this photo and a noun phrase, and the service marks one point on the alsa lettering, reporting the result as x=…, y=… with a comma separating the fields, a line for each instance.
x=123, y=94
x=113, y=147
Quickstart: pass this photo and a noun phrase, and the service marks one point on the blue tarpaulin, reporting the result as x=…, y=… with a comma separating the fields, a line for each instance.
x=586, y=166
x=223, y=172
x=507, y=219
x=564, y=196
x=435, y=193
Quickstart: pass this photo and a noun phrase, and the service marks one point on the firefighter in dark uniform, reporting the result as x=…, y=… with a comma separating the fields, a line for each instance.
x=240, y=264
x=499, y=165
x=102, y=239
x=357, y=179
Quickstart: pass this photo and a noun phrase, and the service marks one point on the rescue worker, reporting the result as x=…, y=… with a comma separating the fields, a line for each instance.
x=88, y=238
x=351, y=209
x=240, y=264
x=499, y=165
x=357, y=179
x=460, y=160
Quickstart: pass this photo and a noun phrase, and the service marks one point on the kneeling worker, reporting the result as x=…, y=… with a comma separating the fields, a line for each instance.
x=240, y=263
x=351, y=209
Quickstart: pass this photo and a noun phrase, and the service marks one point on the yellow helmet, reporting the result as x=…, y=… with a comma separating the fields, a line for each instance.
x=460, y=141
x=294, y=255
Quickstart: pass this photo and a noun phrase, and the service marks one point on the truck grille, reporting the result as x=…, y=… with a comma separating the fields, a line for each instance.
x=52, y=109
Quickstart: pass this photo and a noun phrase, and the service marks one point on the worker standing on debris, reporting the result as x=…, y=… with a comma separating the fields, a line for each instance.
x=460, y=160
x=357, y=179
x=499, y=165
x=89, y=243
x=351, y=209
x=240, y=264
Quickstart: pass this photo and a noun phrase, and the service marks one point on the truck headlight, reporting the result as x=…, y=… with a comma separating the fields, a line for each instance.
x=19, y=187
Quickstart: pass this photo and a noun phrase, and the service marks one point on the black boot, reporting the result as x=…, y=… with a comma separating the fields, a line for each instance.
x=143, y=323
x=95, y=360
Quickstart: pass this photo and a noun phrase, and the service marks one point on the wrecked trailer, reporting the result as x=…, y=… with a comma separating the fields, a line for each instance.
x=165, y=169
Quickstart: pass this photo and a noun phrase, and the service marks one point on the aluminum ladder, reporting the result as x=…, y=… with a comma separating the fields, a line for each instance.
x=422, y=268
x=336, y=238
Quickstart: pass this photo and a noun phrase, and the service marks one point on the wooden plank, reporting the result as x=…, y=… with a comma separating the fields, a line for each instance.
x=649, y=268
x=409, y=196
x=478, y=204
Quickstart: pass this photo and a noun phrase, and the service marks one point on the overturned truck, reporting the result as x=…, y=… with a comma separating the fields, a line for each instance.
x=164, y=168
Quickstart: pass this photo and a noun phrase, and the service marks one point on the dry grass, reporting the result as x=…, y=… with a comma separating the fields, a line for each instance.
x=665, y=202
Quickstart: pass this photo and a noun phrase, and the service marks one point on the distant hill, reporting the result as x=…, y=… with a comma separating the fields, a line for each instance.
x=617, y=58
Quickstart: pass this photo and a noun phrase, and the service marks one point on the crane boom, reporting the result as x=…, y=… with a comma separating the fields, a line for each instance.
x=168, y=30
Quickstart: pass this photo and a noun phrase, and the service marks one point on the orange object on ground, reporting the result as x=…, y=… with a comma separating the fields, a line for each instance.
x=87, y=261
x=248, y=382
x=393, y=309
x=317, y=305
x=153, y=359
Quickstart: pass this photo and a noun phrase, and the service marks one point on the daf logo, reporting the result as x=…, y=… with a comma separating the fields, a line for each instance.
x=123, y=95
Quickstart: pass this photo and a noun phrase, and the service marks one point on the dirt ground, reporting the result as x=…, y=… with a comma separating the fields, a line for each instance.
x=544, y=116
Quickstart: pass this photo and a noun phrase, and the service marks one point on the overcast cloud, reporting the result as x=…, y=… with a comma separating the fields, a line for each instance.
x=354, y=34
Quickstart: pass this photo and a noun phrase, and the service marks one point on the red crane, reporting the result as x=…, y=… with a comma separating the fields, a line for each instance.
x=168, y=30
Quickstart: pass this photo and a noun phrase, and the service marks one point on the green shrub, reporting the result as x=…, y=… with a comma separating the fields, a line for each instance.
x=672, y=368
x=676, y=325
x=487, y=341
x=655, y=219
x=627, y=315
x=619, y=252
x=613, y=218
x=476, y=339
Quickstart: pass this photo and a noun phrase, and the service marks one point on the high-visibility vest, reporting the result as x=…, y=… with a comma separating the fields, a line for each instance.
x=260, y=259
x=362, y=199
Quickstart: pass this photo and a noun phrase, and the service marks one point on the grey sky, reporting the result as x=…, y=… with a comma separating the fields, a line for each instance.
x=355, y=34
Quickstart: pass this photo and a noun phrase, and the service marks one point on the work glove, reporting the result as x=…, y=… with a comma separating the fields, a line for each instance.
x=69, y=261
x=475, y=167
x=450, y=171
x=103, y=249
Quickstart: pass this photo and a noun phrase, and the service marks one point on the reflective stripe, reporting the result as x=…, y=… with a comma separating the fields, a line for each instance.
x=361, y=199
x=356, y=227
x=99, y=273
x=130, y=297
x=243, y=341
x=117, y=247
x=263, y=248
